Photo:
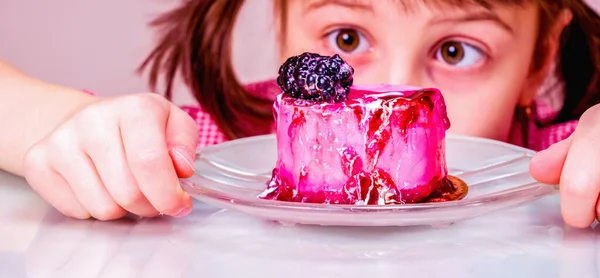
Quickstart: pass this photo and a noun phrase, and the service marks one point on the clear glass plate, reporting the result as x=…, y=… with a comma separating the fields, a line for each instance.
x=232, y=174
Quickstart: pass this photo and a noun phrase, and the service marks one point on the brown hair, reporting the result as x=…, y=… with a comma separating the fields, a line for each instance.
x=196, y=42
x=579, y=61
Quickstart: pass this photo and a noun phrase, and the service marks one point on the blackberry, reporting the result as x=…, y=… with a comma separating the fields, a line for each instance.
x=316, y=78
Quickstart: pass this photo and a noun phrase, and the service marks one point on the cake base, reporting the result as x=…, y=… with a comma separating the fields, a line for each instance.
x=450, y=189
x=453, y=189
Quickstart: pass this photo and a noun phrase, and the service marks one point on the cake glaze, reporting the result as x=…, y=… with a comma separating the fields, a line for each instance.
x=382, y=145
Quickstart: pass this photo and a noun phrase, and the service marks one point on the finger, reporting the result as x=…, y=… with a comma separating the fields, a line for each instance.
x=104, y=146
x=182, y=139
x=143, y=131
x=580, y=178
x=547, y=165
x=79, y=171
x=50, y=185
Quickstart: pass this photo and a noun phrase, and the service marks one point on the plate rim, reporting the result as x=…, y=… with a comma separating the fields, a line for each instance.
x=207, y=192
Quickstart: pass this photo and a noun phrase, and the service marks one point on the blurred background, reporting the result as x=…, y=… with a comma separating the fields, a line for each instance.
x=97, y=45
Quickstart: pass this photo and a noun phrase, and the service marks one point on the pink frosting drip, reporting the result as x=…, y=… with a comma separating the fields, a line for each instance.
x=384, y=145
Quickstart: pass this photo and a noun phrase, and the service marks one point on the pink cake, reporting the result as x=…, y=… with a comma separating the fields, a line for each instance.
x=375, y=145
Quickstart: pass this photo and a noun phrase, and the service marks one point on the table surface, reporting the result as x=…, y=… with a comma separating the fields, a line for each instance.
x=528, y=241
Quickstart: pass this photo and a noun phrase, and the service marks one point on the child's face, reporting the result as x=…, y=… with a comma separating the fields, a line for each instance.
x=480, y=59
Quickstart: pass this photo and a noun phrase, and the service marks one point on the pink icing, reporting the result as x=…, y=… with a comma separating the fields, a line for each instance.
x=384, y=145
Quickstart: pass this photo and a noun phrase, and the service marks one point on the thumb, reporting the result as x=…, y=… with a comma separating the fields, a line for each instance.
x=546, y=166
x=182, y=139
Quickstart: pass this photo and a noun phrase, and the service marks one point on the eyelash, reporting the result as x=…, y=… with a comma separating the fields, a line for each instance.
x=331, y=36
x=466, y=48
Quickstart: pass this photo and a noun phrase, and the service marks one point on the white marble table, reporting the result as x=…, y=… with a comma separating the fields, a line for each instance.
x=529, y=241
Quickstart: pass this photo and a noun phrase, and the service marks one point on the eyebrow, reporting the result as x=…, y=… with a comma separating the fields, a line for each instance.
x=350, y=4
x=480, y=16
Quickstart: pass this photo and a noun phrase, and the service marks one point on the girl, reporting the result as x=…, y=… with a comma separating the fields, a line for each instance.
x=522, y=71
x=500, y=64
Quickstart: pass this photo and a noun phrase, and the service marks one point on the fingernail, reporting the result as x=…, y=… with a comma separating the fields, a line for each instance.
x=185, y=154
x=182, y=212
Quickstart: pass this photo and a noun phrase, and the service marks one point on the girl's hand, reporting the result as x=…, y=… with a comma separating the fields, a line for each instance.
x=116, y=156
x=574, y=164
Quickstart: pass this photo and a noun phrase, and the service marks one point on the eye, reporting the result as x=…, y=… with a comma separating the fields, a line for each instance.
x=458, y=54
x=348, y=40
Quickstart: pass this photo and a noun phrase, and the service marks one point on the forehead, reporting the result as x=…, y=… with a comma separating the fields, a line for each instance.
x=503, y=12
